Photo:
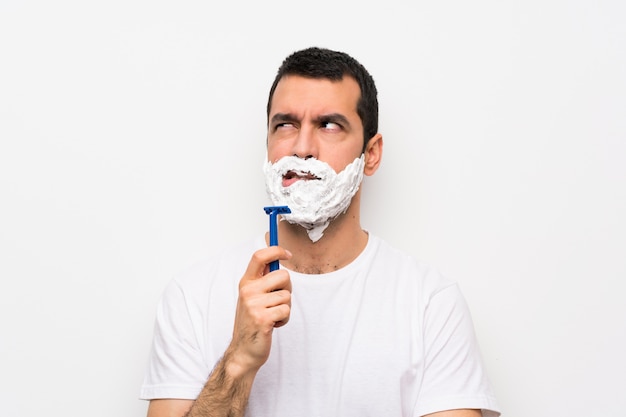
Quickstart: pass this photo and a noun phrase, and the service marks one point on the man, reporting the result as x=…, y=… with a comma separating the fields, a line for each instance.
x=367, y=330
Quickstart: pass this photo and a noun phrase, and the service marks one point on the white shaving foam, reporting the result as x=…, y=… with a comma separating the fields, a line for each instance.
x=314, y=203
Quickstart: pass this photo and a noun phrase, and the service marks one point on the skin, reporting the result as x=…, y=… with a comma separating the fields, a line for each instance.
x=318, y=118
x=308, y=118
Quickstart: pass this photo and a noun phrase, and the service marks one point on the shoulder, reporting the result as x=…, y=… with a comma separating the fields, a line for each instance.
x=397, y=264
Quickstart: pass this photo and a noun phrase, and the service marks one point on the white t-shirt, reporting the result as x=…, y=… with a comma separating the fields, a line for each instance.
x=383, y=336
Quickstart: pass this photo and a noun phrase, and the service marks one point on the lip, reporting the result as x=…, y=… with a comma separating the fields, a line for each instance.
x=292, y=177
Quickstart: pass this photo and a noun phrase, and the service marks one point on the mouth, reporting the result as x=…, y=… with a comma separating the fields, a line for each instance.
x=291, y=177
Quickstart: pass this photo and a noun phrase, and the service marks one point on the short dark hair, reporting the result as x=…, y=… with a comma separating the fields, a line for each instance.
x=333, y=65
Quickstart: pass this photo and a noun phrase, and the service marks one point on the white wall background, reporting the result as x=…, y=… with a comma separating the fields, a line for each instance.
x=131, y=141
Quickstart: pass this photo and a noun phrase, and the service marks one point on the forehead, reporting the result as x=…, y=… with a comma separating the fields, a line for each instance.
x=296, y=94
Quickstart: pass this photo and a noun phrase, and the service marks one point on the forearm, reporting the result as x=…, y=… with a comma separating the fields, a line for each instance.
x=226, y=392
x=264, y=303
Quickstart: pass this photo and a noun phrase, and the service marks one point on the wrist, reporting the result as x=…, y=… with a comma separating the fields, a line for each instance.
x=239, y=366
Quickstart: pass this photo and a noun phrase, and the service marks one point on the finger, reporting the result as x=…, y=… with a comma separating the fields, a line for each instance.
x=273, y=281
x=280, y=314
x=260, y=259
x=277, y=280
x=277, y=298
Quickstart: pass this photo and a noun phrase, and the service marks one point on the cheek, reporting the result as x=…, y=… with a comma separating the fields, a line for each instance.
x=336, y=164
x=339, y=160
x=275, y=151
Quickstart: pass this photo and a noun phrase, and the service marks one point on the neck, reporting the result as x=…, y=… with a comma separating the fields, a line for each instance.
x=342, y=242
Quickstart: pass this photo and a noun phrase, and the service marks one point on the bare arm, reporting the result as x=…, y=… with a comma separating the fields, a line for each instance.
x=169, y=407
x=263, y=305
x=456, y=413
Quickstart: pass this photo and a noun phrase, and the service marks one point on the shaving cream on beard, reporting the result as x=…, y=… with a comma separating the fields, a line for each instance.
x=316, y=199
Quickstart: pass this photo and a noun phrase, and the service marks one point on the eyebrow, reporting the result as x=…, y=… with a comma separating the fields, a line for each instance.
x=333, y=118
x=282, y=117
x=324, y=118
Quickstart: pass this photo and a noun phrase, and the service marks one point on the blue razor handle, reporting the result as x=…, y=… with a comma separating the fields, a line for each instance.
x=274, y=211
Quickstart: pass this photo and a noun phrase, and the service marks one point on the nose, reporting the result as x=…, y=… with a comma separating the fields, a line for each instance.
x=305, y=144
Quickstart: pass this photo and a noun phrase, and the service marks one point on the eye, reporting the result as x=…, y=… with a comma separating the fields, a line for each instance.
x=331, y=126
x=283, y=126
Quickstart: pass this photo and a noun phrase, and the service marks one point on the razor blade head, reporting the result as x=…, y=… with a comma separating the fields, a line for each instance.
x=277, y=209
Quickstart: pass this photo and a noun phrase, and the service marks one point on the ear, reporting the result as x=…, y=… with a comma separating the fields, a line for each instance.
x=373, y=154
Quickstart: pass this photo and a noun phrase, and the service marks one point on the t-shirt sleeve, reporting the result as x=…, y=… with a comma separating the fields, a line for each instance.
x=176, y=368
x=454, y=376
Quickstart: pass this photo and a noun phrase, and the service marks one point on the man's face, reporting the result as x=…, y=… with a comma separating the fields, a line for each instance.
x=315, y=118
